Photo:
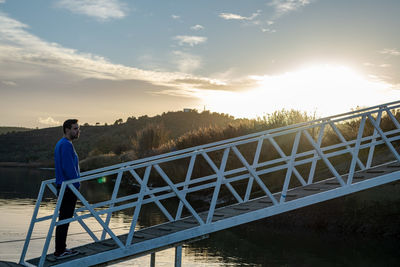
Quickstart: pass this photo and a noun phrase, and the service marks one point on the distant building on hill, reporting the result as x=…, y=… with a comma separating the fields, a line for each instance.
x=187, y=110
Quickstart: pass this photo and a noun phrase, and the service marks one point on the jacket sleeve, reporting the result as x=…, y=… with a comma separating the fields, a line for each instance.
x=70, y=171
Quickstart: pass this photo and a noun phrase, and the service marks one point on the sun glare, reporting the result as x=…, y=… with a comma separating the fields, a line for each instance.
x=323, y=89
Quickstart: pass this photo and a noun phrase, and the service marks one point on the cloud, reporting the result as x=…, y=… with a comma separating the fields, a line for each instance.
x=175, y=16
x=2, y=1
x=253, y=20
x=190, y=40
x=48, y=121
x=197, y=27
x=268, y=30
x=9, y=83
x=390, y=51
x=187, y=62
x=25, y=58
x=231, y=16
x=99, y=9
x=283, y=7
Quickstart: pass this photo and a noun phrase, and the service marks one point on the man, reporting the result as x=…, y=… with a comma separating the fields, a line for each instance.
x=67, y=168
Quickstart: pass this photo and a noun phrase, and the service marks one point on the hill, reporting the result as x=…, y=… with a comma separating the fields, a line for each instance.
x=37, y=145
x=4, y=130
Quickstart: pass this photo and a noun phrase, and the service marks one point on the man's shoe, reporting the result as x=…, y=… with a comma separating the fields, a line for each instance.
x=65, y=254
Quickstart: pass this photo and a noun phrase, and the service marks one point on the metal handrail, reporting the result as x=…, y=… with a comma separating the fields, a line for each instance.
x=334, y=118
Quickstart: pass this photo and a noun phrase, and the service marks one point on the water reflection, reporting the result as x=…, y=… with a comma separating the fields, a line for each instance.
x=22, y=182
x=260, y=246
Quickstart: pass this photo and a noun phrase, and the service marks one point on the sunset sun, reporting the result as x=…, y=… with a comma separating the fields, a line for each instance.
x=323, y=89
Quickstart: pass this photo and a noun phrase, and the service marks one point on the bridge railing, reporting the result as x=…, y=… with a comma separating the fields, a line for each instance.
x=237, y=170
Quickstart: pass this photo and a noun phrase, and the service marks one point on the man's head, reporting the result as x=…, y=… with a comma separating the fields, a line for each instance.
x=71, y=129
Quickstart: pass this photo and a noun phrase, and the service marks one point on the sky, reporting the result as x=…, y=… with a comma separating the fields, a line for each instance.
x=101, y=60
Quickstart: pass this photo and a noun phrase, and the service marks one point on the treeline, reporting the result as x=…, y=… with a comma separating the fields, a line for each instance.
x=145, y=136
x=4, y=130
x=132, y=135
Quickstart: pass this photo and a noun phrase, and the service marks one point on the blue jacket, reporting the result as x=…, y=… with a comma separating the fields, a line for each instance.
x=66, y=162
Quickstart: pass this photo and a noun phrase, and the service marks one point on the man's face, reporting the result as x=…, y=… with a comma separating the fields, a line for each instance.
x=74, y=132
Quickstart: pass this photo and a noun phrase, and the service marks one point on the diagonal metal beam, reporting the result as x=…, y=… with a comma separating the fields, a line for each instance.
x=315, y=159
x=178, y=194
x=113, y=197
x=356, y=150
x=344, y=141
x=186, y=186
x=138, y=207
x=290, y=167
x=254, y=174
x=158, y=203
x=230, y=187
x=217, y=187
x=255, y=162
x=392, y=117
x=97, y=217
x=382, y=134
x=324, y=158
x=283, y=155
x=375, y=135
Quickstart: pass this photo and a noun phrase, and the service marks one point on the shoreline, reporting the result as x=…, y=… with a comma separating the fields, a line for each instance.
x=45, y=165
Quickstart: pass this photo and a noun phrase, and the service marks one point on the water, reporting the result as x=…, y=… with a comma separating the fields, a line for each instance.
x=254, y=245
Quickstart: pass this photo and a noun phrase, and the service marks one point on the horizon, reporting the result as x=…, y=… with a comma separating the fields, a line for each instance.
x=105, y=60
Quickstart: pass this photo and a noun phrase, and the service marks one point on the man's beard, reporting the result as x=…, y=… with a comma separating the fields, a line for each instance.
x=73, y=137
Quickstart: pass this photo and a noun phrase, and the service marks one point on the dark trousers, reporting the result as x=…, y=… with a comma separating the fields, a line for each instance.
x=66, y=211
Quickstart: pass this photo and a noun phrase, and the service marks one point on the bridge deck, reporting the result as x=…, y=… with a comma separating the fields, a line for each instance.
x=261, y=207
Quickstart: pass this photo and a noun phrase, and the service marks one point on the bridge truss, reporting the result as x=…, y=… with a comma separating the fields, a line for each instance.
x=238, y=180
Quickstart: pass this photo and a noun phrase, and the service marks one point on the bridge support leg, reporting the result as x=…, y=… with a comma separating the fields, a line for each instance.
x=178, y=256
x=153, y=260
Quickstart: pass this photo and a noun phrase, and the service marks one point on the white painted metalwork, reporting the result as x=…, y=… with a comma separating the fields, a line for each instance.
x=304, y=152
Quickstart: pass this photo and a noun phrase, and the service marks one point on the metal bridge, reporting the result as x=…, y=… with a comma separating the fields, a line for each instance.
x=243, y=179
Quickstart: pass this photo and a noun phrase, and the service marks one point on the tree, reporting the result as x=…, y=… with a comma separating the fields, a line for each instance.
x=151, y=137
x=119, y=121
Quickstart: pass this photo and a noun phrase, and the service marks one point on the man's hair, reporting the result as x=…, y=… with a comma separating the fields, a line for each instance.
x=68, y=124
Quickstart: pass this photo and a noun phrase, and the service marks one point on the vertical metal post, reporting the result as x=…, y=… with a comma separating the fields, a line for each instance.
x=33, y=221
x=356, y=150
x=153, y=259
x=138, y=206
x=255, y=162
x=315, y=159
x=375, y=135
x=113, y=197
x=187, y=179
x=290, y=167
x=217, y=186
x=178, y=256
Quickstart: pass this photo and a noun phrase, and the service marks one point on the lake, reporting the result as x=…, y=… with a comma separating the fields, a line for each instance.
x=253, y=245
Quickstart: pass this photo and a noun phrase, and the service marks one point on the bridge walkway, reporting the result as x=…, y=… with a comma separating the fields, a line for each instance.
x=324, y=189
